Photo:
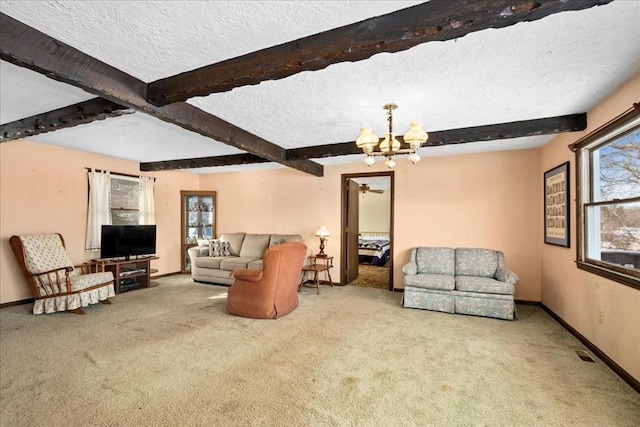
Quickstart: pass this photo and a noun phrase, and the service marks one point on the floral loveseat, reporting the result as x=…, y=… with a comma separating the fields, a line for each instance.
x=463, y=280
x=212, y=261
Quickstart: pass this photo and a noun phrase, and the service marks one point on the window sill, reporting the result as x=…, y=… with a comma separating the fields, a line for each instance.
x=625, y=279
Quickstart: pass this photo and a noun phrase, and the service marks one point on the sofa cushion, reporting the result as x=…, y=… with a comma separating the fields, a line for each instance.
x=231, y=263
x=476, y=262
x=435, y=260
x=254, y=245
x=483, y=285
x=208, y=261
x=430, y=281
x=235, y=242
x=276, y=239
x=256, y=265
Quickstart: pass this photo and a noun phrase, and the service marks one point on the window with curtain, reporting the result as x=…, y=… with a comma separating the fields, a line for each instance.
x=609, y=200
x=119, y=200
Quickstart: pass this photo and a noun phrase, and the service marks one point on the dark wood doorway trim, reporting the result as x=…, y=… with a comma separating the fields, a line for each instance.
x=344, y=212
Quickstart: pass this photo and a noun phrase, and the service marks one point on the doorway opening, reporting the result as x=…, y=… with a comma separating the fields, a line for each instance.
x=367, y=229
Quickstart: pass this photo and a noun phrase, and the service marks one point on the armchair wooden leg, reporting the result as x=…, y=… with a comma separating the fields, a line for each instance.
x=78, y=311
x=106, y=301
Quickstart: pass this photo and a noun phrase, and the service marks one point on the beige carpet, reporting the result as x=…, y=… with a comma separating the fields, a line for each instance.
x=171, y=356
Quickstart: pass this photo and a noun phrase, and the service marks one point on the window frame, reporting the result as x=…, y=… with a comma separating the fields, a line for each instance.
x=623, y=124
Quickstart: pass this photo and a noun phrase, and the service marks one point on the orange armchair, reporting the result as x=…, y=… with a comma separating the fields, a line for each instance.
x=273, y=291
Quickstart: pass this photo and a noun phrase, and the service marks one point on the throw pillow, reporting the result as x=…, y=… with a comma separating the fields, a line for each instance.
x=215, y=248
x=225, y=248
x=203, y=247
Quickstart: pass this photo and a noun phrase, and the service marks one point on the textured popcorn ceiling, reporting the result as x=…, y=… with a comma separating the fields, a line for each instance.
x=563, y=64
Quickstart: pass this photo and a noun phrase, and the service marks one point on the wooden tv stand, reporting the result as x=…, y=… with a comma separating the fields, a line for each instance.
x=134, y=273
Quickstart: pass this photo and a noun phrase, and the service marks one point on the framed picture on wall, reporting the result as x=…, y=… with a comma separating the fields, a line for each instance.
x=556, y=206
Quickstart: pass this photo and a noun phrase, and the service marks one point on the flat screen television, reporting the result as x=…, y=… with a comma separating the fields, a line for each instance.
x=120, y=241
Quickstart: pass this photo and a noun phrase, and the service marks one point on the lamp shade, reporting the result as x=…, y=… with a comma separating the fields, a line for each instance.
x=366, y=138
x=322, y=231
x=415, y=136
x=389, y=143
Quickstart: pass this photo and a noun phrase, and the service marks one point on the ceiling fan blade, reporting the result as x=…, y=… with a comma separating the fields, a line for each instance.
x=377, y=191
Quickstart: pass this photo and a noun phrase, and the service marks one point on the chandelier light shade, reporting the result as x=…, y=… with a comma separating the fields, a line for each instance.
x=323, y=234
x=390, y=146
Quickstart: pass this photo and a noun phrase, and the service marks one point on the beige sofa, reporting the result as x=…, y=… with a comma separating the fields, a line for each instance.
x=231, y=251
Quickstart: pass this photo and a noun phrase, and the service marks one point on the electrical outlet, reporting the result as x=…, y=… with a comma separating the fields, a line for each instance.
x=601, y=316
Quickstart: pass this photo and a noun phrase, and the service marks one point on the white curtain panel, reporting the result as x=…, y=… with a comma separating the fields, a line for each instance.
x=99, y=207
x=147, y=206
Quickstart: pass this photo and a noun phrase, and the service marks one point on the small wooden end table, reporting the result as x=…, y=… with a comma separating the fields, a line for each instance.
x=316, y=265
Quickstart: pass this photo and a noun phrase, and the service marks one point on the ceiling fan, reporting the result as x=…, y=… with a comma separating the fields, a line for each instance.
x=364, y=188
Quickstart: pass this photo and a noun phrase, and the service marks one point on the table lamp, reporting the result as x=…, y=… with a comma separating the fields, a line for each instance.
x=323, y=234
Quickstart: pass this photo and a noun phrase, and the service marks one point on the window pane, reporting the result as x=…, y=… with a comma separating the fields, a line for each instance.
x=614, y=234
x=125, y=194
x=616, y=168
x=124, y=217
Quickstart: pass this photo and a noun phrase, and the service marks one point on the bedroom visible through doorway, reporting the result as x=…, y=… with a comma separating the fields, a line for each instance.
x=374, y=229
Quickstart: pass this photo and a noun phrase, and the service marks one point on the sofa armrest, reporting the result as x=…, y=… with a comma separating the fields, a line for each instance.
x=194, y=252
x=410, y=269
x=503, y=274
x=247, y=274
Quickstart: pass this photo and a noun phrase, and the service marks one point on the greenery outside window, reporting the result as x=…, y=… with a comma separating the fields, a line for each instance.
x=125, y=200
x=608, y=169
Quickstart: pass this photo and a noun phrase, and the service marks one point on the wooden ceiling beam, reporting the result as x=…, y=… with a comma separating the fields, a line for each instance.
x=437, y=20
x=203, y=162
x=519, y=129
x=27, y=47
x=65, y=117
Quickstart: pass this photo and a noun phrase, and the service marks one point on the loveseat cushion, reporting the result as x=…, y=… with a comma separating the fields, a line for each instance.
x=231, y=263
x=483, y=285
x=476, y=262
x=436, y=260
x=431, y=281
x=254, y=245
x=235, y=242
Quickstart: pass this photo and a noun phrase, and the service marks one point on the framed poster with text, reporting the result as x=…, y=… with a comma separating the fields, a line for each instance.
x=556, y=206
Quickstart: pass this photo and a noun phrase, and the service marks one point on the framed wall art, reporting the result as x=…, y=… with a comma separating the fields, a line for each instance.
x=556, y=206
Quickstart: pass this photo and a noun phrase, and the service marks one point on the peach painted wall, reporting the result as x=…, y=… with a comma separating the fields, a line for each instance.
x=375, y=212
x=44, y=189
x=576, y=295
x=490, y=200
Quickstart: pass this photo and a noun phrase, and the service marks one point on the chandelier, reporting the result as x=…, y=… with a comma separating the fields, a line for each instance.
x=390, y=146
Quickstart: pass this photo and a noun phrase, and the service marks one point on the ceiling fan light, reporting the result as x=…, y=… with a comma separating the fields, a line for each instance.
x=366, y=139
x=390, y=163
x=415, y=136
x=369, y=160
